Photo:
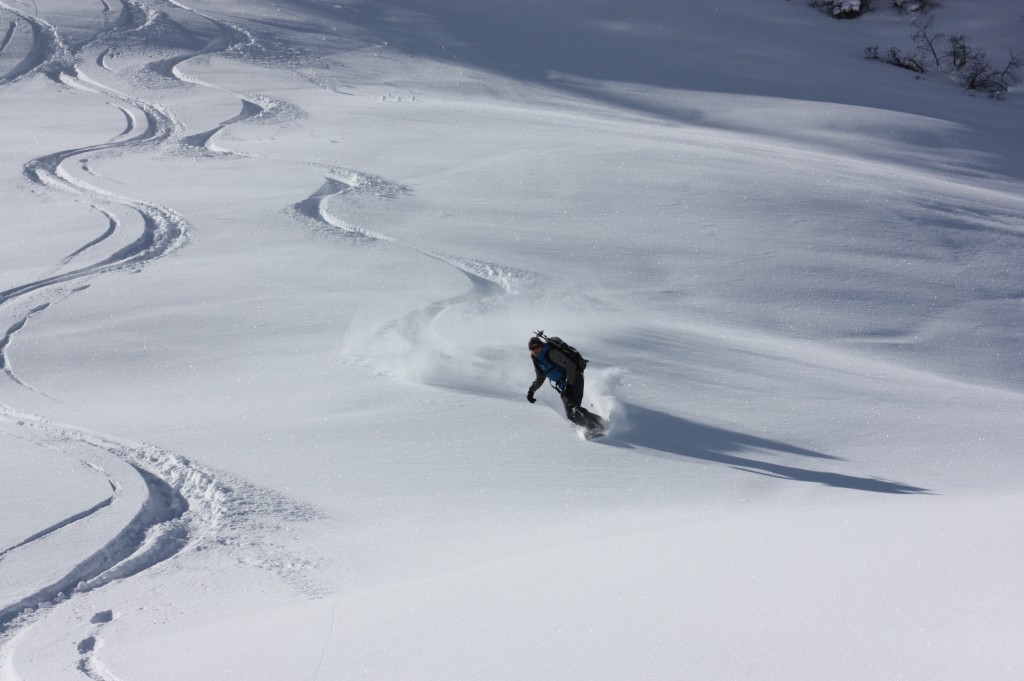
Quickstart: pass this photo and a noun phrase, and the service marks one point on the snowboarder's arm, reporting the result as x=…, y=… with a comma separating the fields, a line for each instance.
x=540, y=378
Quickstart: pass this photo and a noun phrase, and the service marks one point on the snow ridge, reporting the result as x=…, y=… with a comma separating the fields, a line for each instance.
x=47, y=48
x=185, y=506
x=340, y=182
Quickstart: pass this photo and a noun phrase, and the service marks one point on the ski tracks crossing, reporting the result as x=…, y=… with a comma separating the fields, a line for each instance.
x=169, y=504
x=172, y=505
x=166, y=503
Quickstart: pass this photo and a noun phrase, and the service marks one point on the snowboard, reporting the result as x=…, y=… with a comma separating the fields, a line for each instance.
x=600, y=429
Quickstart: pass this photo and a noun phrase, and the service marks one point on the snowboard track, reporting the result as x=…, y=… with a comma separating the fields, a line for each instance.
x=184, y=506
x=410, y=334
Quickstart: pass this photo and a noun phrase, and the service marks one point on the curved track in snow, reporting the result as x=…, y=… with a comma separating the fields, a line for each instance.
x=489, y=280
x=170, y=504
x=166, y=503
x=44, y=48
x=174, y=504
x=162, y=229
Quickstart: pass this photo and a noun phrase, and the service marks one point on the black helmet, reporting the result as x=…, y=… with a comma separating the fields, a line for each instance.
x=534, y=342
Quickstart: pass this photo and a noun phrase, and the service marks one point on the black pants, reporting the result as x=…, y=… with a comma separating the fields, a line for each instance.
x=572, y=398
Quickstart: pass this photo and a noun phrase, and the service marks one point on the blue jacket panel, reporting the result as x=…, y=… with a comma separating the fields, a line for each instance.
x=552, y=364
x=550, y=369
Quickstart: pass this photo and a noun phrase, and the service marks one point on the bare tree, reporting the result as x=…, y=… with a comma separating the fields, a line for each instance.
x=926, y=41
x=980, y=75
x=960, y=53
x=909, y=62
x=953, y=54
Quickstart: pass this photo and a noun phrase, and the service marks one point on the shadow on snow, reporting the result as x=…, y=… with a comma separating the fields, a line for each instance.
x=661, y=432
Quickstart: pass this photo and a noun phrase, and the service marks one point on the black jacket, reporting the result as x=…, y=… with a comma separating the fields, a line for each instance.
x=558, y=358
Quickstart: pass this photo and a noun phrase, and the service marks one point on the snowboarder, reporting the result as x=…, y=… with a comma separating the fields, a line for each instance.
x=567, y=378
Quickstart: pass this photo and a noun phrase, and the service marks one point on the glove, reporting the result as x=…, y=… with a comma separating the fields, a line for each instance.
x=530, y=398
x=560, y=387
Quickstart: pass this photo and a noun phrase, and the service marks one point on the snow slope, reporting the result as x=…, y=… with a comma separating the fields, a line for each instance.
x=267, y=276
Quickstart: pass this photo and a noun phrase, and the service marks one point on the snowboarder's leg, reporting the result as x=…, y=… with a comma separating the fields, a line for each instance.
x=572, y=396
x=568, y=403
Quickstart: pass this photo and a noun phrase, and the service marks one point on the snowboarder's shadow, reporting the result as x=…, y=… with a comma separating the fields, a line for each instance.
x=661, y=432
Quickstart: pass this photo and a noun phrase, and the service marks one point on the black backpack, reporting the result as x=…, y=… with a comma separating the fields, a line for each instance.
x=566, y=349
